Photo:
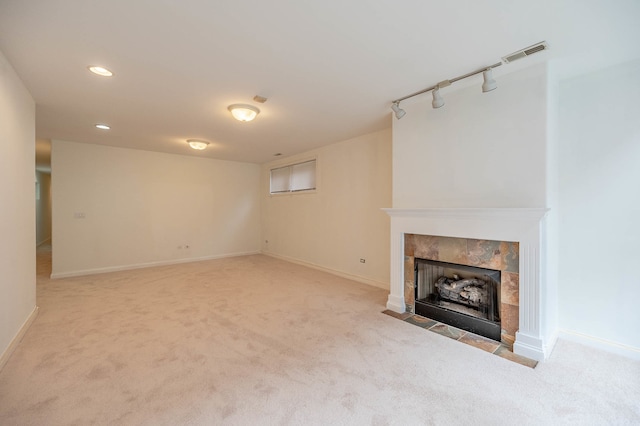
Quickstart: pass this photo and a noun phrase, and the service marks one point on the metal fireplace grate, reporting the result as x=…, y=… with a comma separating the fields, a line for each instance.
x=463, y=296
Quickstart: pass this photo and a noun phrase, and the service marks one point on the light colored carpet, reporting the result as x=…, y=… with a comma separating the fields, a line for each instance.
x=258, y=341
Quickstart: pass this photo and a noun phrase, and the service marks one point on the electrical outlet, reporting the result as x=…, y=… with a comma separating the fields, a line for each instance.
x=362, y=260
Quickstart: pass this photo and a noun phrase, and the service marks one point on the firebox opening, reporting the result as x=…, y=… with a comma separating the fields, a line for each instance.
x=463, y=296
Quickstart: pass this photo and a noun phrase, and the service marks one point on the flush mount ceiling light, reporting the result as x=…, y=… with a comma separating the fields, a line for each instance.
x=488, y=85
x=103, y=127
x=196, y=144
x=100, y=70
x=243, y=112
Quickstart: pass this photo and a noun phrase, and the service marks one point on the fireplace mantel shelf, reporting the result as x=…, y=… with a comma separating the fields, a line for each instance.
x=533, y=213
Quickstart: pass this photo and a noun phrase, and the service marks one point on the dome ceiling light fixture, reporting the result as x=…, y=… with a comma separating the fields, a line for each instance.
x=102, y=71
x=197, y=144
x=102, y=126
x=243, y=112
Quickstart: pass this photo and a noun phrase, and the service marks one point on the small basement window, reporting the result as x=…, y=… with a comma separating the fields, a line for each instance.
x=294, y=178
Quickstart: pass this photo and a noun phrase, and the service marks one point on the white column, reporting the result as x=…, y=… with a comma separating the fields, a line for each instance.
x=529, y=340
x=395, y=301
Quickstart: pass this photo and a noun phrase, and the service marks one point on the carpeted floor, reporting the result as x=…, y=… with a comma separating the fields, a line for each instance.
x=258, y=341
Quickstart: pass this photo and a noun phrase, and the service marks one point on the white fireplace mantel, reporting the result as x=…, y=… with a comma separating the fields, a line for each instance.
x=523, y=225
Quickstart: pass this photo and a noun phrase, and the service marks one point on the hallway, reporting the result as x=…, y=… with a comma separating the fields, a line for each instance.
x=44, y=256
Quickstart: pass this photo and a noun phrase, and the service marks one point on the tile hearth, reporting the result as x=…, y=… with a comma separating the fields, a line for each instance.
x=487, y=345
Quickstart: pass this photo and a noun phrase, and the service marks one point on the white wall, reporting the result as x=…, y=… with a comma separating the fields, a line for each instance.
x=599, y=181
x=43, y=207
x=550, y=243
x=479, y=150
x=139, y=207
x=341, y=222
x=17, y=206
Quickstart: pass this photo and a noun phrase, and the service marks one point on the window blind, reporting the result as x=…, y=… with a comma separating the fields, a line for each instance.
x=294, y=178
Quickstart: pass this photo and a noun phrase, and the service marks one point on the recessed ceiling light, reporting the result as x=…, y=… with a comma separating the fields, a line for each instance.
x=196, y=144
x=100, y=71
x=103, y=127
x=277, y=154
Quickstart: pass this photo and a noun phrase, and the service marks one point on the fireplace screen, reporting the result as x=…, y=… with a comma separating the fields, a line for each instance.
x=462, y=296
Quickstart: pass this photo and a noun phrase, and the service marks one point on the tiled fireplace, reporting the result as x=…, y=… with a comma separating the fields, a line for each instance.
x=508, y=240
x=501, y=256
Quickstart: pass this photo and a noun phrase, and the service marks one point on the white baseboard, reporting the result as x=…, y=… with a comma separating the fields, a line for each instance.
x=550, y=344
x=396, y=304
x=4, y=357
x=94, y=271
x=603, y=344
x=528, y=346
x=358, y=278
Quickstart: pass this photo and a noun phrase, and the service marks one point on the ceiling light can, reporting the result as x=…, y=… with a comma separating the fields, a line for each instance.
x=102, y=71
x=437, y=99
x=103, y=126
x=489, y=83
x=398, y=111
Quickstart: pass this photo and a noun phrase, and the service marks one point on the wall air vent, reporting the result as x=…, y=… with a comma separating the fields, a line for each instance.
x=527, y=51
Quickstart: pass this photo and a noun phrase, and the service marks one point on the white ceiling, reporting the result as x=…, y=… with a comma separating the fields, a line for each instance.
x=329, y=68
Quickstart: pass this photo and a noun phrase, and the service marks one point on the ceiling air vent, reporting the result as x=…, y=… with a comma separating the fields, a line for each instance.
x=527, y=51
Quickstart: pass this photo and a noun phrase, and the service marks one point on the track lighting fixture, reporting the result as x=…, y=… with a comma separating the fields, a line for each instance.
x=437, y=99
x=399, y=111
x=489, y=83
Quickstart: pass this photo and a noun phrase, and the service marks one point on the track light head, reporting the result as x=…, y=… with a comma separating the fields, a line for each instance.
x=489, y=83
x=437, y=99
x=399, y=111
